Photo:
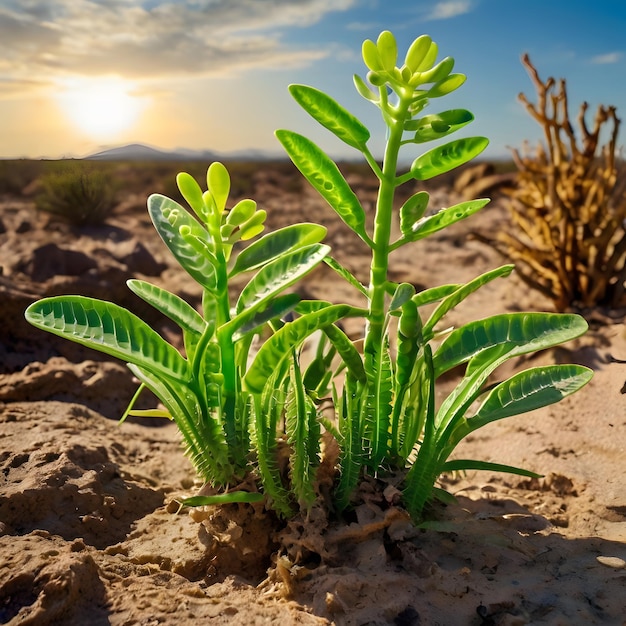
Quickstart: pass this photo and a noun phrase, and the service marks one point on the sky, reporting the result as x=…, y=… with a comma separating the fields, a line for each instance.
x=77, y=76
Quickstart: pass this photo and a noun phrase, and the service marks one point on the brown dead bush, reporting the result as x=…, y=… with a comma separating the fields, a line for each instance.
x=569, y=205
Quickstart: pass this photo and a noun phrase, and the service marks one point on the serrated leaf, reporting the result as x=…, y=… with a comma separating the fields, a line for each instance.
x=444, y=158
x=331, y=115
x=324, y=175
x=275, y=244
x=108, y=328
x=276, y=276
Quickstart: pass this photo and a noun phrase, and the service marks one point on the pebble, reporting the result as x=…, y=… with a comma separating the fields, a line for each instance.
x=612, y=561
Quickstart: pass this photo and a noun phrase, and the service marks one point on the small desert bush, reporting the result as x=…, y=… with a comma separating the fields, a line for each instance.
x=17, y=175
x=80, y=195
x=569, y=206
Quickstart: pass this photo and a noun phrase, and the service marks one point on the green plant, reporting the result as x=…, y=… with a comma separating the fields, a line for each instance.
x=569, y=211
x=79, y=195
x=239, y=409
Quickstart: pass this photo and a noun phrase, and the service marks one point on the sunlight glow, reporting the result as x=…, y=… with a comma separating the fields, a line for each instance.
x=100, y=108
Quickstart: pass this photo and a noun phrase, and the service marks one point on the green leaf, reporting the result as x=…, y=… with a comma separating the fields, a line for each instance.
x=429, y=58
x=192, y=193
x=511, y=333
x=205, y=442
x=417, y=52
x=275, y=244
x=224, y=498
x=439, y=72
x=379, y=403
x=324, y=175
x=250, y=320
x=331, y=115
x=303, y=435
x=241, y=212
x=431, y=127
x=403, y=293
x=168, y=218
x=273, y=352
x=445, y=217
x=461, y=293
x=434, y=294
x=108, y=328
x=364, y=90
x=412, y=210
x=371, y=57
x=529, y=390
x=347, y=351
x=171, y=305
x=461, y=465
x=387, y=50
x=280, y=274
x=447, y=85
x=345, y=274
x=444, y=158
x=218, y=181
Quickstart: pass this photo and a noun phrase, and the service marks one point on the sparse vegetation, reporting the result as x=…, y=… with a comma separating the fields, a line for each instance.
x=79, y=195
x=569, y=206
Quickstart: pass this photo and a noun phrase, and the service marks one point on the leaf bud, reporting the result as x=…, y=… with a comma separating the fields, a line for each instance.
x=371, y=56
x=417, y=52
x=218, y=181
x=387, y=50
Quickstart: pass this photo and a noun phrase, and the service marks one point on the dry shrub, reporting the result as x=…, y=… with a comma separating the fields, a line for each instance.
x=569, y=206
x=79, y=195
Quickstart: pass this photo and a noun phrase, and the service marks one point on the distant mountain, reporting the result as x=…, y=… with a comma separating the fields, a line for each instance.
x=140, y=152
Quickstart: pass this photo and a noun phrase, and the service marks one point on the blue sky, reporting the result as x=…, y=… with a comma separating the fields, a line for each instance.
x=77, y=75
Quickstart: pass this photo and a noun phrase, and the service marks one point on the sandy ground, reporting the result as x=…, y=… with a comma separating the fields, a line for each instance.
x=91, y=532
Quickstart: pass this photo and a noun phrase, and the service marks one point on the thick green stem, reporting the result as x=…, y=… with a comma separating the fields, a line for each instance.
x=227, y=347
x=382, y=234
x=374, y=345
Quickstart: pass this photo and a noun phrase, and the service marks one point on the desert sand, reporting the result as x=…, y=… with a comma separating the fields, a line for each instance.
x=90, y=528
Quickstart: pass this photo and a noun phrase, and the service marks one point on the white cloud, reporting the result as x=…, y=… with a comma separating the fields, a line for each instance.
x=153, y=38
x=448, y=9
x=607, y=59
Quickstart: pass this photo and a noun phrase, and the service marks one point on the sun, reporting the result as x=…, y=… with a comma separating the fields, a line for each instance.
x=101, y=108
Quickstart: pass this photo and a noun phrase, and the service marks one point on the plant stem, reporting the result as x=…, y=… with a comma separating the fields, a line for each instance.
x=227, y=347
x=382, y=234
x=374, y=347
